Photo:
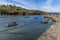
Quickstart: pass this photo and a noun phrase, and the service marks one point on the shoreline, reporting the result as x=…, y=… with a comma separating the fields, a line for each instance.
x=50, y=34
x=53, y=32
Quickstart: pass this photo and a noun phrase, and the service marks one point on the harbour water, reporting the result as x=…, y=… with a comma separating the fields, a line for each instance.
x=27, y=29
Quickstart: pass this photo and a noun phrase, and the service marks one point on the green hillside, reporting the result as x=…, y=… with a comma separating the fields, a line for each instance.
x=11, y=9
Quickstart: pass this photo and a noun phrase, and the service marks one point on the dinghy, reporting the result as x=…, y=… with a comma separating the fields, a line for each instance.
x=45, y=21
x=11, y=24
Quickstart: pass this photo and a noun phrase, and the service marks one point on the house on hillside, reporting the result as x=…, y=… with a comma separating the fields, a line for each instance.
x=56, y=14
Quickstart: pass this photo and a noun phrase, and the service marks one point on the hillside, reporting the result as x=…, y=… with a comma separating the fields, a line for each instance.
x=12, y=9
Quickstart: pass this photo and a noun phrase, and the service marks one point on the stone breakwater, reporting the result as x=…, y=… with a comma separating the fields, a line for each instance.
x=53, y=33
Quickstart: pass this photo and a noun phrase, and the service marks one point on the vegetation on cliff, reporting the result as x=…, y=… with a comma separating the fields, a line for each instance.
x=12, y=9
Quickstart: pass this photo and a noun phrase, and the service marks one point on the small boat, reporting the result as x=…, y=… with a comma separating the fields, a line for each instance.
x=45, y=21
x=46, y=17
x=26, y=16
x=36, y=18
x=11, y=24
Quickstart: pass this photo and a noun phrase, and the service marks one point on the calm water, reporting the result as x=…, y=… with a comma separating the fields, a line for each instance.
x=19, y=19
x=27, y=29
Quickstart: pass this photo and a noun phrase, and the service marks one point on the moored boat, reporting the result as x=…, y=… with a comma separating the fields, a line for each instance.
x=45, y=21
x=11, y=24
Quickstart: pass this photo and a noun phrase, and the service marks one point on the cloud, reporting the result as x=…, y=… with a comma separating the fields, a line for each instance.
x=28, y=4
x=21, y=3
x=16, y=2
x=4, y=2
x=45, y=5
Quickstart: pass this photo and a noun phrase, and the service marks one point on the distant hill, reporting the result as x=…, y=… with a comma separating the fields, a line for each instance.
x=12, y=9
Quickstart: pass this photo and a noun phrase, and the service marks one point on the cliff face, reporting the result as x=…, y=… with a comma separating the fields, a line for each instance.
x=20, y=10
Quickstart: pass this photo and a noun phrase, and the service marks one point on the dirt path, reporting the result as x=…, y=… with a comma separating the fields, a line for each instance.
x=58, y=31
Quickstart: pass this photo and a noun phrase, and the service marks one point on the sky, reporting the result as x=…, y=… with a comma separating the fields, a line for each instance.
x=44, y=5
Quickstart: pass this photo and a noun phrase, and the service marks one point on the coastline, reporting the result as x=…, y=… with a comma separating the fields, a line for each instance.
x=53, y=33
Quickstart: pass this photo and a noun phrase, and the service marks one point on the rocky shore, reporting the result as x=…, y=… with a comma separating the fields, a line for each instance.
x=53, y=33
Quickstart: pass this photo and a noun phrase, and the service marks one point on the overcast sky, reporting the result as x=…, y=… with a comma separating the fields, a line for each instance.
x=45, y=5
